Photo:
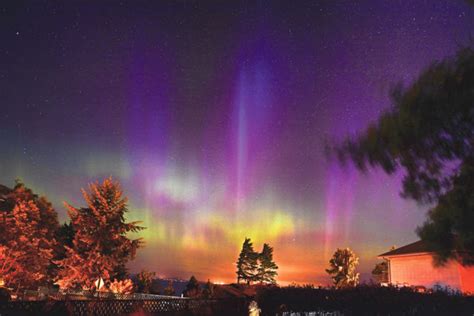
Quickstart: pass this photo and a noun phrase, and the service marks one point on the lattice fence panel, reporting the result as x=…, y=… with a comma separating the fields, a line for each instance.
x=116, y=307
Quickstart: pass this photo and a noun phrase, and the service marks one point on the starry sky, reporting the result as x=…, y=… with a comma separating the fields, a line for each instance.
x=214, y=115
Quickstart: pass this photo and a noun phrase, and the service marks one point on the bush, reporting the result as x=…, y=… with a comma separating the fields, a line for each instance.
x=362, y=300
x=4, y=295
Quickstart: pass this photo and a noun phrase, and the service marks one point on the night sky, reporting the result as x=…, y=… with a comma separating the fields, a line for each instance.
x=214, y=115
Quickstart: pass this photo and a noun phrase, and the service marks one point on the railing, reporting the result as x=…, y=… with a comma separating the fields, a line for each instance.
x=63, y=295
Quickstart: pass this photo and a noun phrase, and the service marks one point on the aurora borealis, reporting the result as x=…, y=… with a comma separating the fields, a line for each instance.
x=213, y=116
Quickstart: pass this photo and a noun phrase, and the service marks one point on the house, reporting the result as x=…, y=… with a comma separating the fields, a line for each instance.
x=412, y=265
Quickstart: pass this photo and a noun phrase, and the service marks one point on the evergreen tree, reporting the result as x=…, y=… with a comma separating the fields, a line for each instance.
x=380, y=272
x=145, y=281
x=192, y=288
x=64, y=238
x=247, y=263
x=208, y=291
x=100, y=248
x=65, y=234
x=28, y=224
x=169, y=290
x=267, y=268
x=343, y=268
x=429, y=134
x=155, y=287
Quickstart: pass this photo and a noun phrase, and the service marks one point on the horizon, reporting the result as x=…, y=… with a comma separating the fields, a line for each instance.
x=213, y=117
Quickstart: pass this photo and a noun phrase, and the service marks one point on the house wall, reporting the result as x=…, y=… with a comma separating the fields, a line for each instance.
x=419, y=270
x=467, y=279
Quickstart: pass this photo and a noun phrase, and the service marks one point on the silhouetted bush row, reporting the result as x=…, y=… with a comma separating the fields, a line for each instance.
x=362, y=300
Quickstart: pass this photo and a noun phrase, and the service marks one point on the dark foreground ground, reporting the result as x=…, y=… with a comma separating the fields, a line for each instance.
x=174, y=307
x=287, y=301
x=363, y=300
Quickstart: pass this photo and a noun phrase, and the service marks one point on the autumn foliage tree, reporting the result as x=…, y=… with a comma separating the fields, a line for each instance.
x=121, y=287
x=343, y=268
x=100, y=247
x=28, y=224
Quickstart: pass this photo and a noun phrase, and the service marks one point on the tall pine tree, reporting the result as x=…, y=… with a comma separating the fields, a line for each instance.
x=192, y=288
x=247, y=263
x=267, y=268
x=208, y=291
x=100, y=248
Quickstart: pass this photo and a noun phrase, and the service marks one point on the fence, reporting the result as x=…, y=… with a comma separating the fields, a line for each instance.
x=167, y=306
x=74, y=295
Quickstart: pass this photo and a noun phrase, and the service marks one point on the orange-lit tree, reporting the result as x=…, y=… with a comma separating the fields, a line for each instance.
x=28, y=224
x=121, y=287
x=100, y=247
x=343, y=268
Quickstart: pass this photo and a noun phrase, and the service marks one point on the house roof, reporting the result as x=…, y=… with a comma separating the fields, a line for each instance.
x=416, y=247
